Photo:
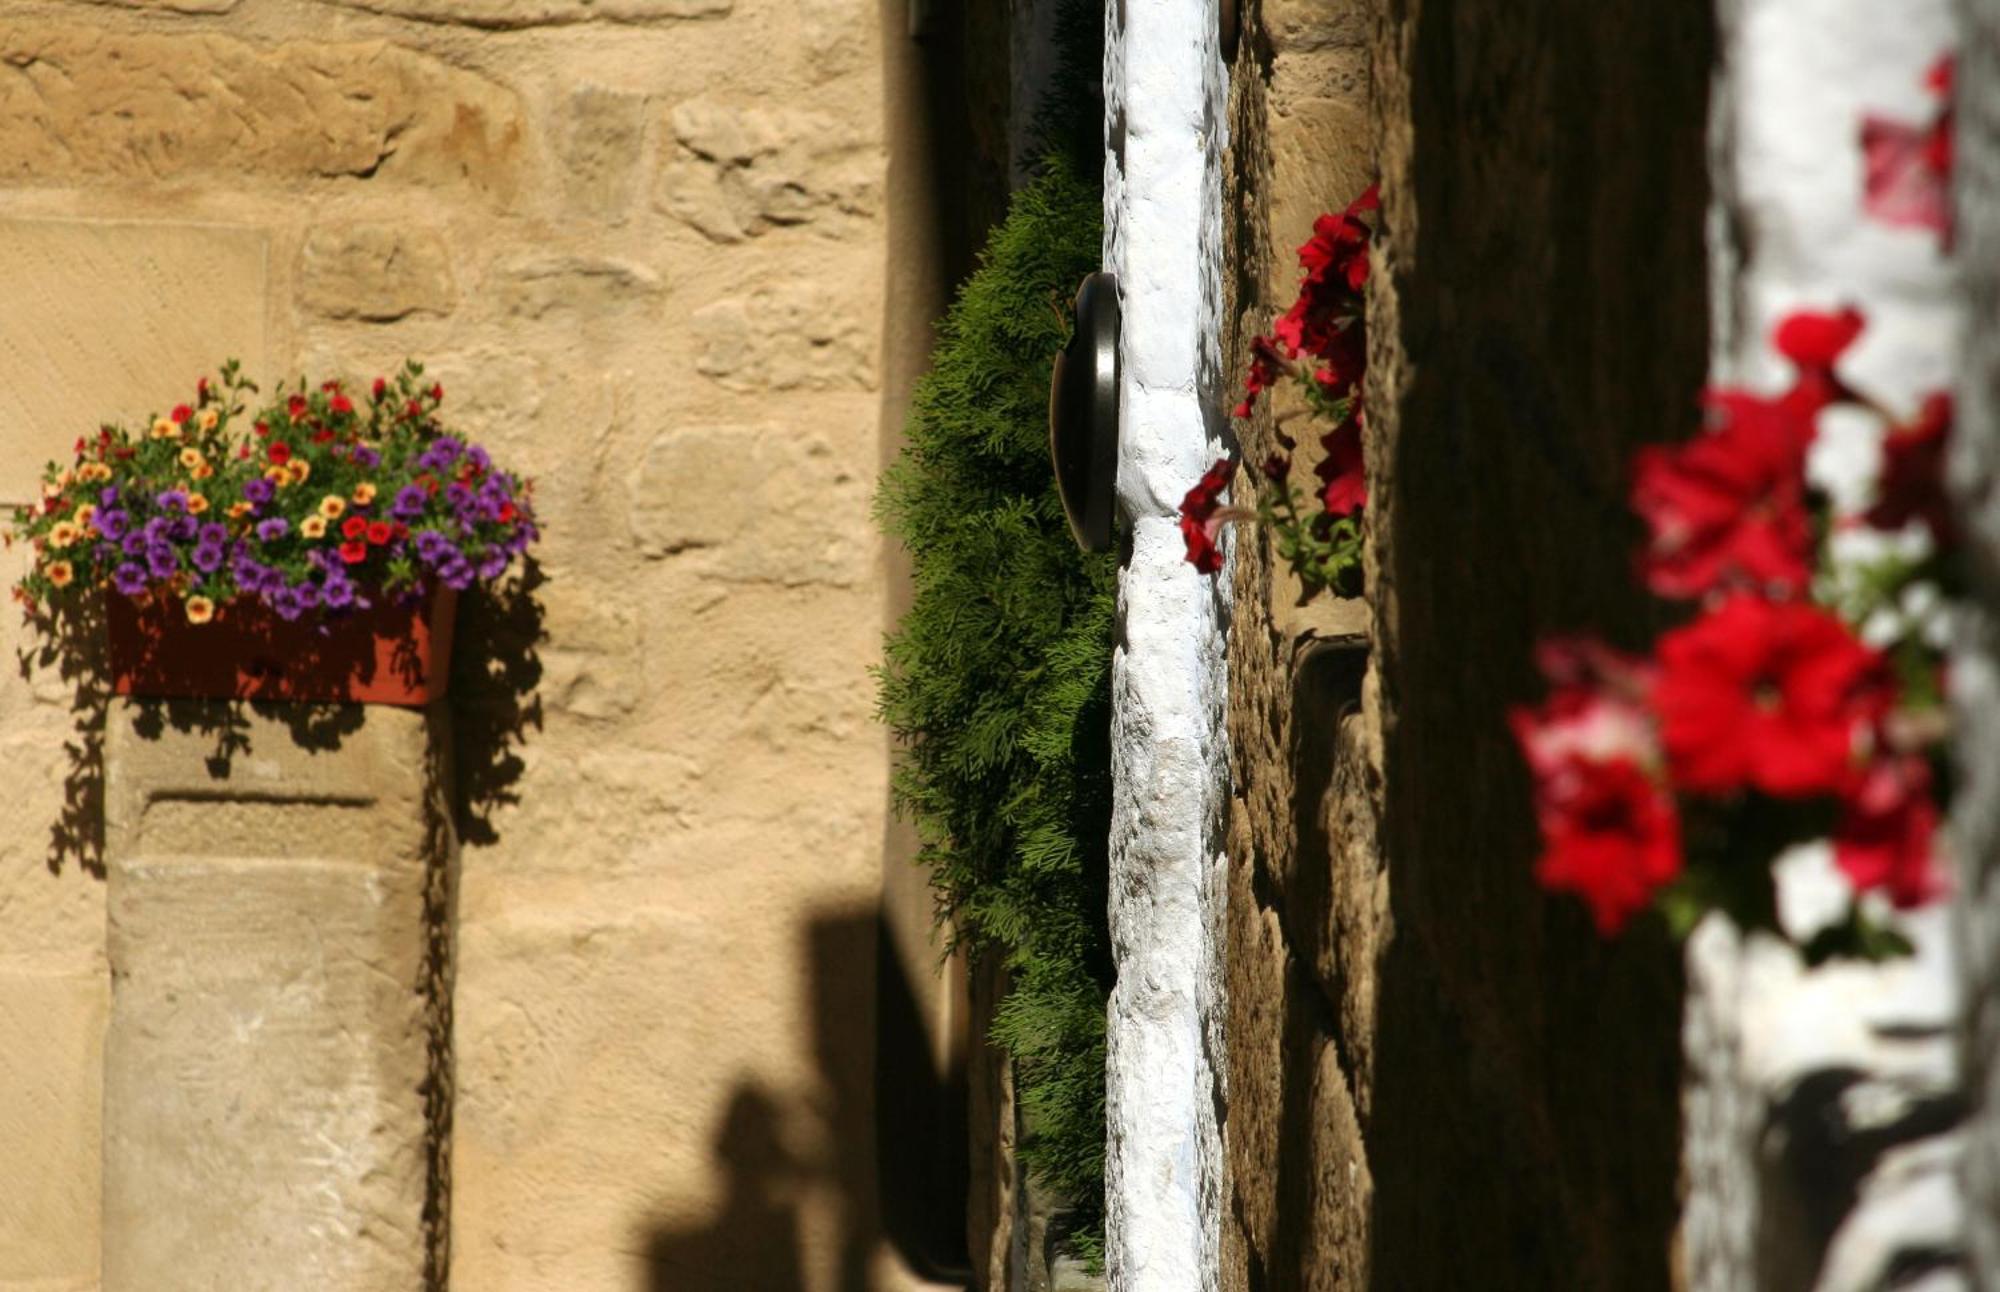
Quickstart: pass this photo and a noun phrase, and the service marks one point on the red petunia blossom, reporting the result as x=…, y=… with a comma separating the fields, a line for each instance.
x=1595, y=709
x=379, y=389
x=1727, y=505
x=1912, y=479
x=379, y=532
x=1906, y=169
x=354, y=527
x=181, y=413
x=1765, y=695
x=1343, y=469
x=354, y=553
x=1266, y=366
x=321, y=436
x=1814, y=342
x=1887, y=837
x=340, y=404
x=1202, y=516
x=1610, y=834
x=437, y=394
x=296, y=407
x=279, y=453
x=263, y=430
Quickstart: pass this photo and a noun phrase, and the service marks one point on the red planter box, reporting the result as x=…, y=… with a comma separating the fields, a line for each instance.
x=388, y=654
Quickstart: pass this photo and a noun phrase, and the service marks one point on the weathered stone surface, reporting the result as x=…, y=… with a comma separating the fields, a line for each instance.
x=795, y=337
x=603, y=131
x=273, y=1022
x=591, y=287
x=512, y=14
x=171, y=6
x=737, y=172
x=376, y=272
x=50, y=1086
x=750, y=504
x=115, y=320
x=143, y=107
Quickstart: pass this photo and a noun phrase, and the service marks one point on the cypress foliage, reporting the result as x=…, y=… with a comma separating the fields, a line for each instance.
x=998, y=679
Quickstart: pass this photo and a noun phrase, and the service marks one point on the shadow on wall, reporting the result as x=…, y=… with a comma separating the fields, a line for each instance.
x=877, y=1093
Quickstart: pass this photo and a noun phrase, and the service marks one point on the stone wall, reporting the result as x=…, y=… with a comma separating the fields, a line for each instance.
x=1439, y=1077
x=676, y=260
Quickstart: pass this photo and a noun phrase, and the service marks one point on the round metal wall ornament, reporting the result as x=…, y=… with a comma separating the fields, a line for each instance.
x=1083, y=414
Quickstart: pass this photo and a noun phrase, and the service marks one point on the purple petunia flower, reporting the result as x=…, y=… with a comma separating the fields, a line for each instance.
x=307, y=593
x=162, y=561
x=442, y=453
x=458, y=494
x=129, y=579
x=214, y=535
x=270, y=531
x=207, y=558
x=433, y=547
x=478, y=457
x=366, y=457
x=410, y=501
x=259, y=491
x=134, y=544
x=493, y=564
x=337, y=591
x=107, y=495
x=113, y=524
x=172, y=500
x=287, y=603
x=271, y=581
x=182, y=528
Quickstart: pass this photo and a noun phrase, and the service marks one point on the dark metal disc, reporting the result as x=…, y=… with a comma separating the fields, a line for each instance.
x=1083, y=414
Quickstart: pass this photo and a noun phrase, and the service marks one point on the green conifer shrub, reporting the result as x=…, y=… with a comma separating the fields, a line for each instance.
x=998, y=679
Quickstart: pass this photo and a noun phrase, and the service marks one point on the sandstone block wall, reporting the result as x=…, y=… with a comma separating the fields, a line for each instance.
x=1438, y=1077
x=676, y=260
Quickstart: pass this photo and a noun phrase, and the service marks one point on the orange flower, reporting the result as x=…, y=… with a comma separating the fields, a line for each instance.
x=60, y=573
x=200, y=610
x=207, y=418
x=297, y=470
x=166, y=429
x=313, y=527
x=191, y=458
x=364, y=493
x=92, y=472
x=196, y=504
x=332, y=505
x=238, y=510
x=63, y=533
x=86, y=515
x=202, y=472
x=278, y=475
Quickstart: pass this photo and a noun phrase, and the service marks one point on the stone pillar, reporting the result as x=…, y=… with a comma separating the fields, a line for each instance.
x=1820, y=1104
x=275, y=1073
x=1166, y=135
x=1975, y=471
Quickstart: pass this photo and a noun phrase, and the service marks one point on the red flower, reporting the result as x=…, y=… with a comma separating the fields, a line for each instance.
x=1887, y=832
x=1609, y=834
x=201, y=390
x=181, y=413
x=1814, y=342
x=1202, y=516
x=1907, y=168
x=279, y=453
x=1596, y=707
x=378, y=532
x=353, y=553
x=1266, y=366
x=1912, y=484
x=379, y=389
x=341, y=404
x=263, y=430
x=1765, y=695
x=296, y=406
x=1342, y=469
x=1728, y=504
x=437, y=394
x=354, y=527
x=321, y=436
x=413, y=409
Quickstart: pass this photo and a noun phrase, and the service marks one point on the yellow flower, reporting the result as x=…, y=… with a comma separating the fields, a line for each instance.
x=298, y=469
x=331, y=506
x=278, y=475
x=196, y=504
x=60, y=573
x=200, y=610
x=166, y=429
x=191, y=458
x=207, y=418
x=238, y=510
x=364, y=493
x=63, y=533
x=92, y=472
x=313, y=527
x=86, y=515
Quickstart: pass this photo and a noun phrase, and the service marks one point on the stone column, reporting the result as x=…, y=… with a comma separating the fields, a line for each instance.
x=1166, y=123
x=1975, y=471
x=275, y=1066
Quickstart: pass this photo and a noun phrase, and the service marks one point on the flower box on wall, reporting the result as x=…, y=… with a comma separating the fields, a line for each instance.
x=394, y=652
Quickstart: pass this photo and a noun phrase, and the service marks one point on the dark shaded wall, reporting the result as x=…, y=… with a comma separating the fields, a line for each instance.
x=1440, y=1078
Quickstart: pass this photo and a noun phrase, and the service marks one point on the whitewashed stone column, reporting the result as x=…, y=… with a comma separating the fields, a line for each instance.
x=1975, y=471
x=1165, y=121
x=1819, y=1105
x=274, y=1069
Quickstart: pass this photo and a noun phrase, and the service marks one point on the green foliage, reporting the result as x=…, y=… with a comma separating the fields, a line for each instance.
x=998, y=680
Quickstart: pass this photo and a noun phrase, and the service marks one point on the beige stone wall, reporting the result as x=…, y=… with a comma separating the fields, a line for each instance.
x=672, y=258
